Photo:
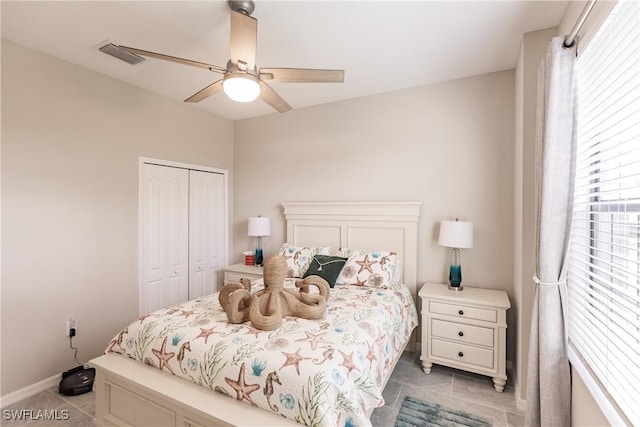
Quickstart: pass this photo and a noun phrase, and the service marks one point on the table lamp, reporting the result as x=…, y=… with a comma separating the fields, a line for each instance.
x=259, y=226
x=456, y=234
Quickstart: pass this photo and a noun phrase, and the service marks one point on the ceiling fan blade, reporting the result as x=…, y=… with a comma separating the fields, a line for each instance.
x=182, y=61
x=268, y=95
x=244, y=38
x=301, y=75
x=212, y=89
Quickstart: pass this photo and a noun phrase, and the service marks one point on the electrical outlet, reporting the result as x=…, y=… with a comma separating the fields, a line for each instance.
x=71, y=324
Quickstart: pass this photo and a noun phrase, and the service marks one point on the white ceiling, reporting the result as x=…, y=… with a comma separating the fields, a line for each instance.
x=381, y=45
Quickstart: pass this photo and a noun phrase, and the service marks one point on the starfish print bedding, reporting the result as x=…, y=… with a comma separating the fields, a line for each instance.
x=326, y=372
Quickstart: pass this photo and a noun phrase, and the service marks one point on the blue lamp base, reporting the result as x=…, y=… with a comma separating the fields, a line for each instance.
x=259, y=258
x=455, y=272
x=455, y=278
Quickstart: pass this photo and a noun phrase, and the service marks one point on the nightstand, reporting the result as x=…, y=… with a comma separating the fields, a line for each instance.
x=235, y=272
x=465, y=330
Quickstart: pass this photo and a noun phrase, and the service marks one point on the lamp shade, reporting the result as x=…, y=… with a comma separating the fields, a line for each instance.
x=456, y=234
x=259, y=226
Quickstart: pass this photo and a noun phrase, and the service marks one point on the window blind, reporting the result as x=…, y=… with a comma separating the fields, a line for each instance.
x=604, y=253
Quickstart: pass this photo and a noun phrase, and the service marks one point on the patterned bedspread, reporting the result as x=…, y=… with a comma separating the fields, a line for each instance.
x=326, y=372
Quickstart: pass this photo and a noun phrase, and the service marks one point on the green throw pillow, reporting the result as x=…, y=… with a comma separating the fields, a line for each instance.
x=327, y=267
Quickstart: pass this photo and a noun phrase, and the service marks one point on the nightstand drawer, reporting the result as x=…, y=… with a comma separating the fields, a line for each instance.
x=462, y=333
x=462, y=353
x=464, y=312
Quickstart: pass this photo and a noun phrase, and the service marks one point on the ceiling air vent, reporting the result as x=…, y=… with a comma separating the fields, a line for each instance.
x=116, y=52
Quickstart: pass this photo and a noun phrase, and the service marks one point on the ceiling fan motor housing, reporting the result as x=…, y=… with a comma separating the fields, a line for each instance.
x=246, y=7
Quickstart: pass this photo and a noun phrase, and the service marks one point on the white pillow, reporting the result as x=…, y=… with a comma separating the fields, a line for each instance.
x=397, y=272
x=299, y=257
x=374, y=268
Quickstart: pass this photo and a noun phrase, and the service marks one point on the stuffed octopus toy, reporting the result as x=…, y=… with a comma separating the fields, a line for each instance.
x=266, y=307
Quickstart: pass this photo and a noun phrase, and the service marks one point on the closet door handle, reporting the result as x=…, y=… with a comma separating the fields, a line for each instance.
x=460, y=312
x=461, y=333
x=460, y=354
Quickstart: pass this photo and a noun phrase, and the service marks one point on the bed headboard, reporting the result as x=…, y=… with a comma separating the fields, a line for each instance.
x=359, y=225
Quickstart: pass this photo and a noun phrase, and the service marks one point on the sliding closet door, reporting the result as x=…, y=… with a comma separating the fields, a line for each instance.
x=165, y=229
x=206, y=231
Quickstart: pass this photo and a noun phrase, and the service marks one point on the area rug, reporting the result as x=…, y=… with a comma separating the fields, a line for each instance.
x=417, y=413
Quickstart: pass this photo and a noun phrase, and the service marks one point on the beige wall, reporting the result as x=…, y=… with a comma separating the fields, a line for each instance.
x=532, y=50
x=449, y=145
x=584, y=409
x=518, y=197
x=71, y=139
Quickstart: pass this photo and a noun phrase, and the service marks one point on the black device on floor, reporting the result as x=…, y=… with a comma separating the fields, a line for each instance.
x=76, y=381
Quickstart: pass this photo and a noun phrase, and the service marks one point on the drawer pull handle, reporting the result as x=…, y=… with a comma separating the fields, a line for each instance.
x=460, y=312
x=460, y=354
x=461, y=333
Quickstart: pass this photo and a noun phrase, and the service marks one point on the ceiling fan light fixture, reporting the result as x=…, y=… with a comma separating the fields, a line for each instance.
x=241, y=87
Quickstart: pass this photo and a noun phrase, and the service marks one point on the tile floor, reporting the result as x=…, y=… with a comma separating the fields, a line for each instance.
x=67, y=411
x=449, y=387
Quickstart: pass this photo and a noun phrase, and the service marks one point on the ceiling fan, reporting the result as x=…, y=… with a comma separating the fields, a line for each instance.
x=241, y=79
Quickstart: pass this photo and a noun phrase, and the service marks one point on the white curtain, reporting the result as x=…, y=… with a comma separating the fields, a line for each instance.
x=548, y=376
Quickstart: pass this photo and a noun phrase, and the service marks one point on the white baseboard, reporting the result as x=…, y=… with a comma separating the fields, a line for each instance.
x=29, y=390
x=521, y=404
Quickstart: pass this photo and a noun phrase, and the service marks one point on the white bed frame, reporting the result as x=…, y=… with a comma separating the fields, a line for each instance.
x=132, y=394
